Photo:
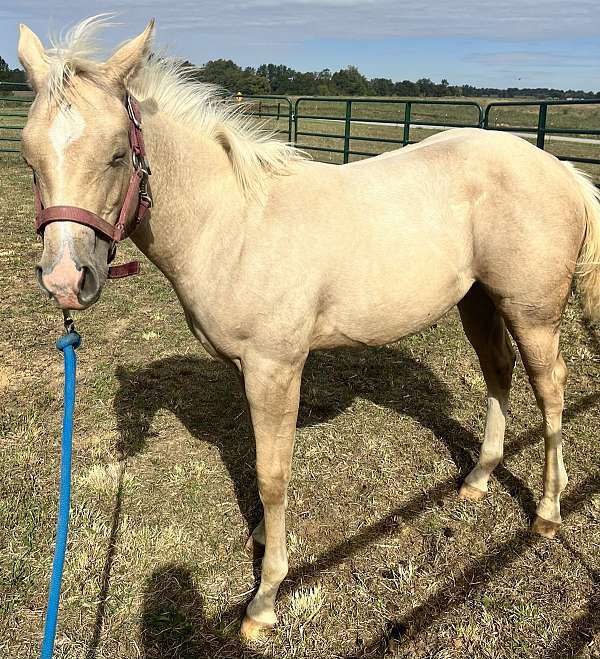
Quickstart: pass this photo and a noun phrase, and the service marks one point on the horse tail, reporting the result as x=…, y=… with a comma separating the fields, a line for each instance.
x=588, y=263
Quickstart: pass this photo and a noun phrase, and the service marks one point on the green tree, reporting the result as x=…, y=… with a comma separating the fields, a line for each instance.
x=304, y=84
x=10, y=75
x=280, y=77
x=255, y=84
x=324, y=84
x=406, y=88
x=382, y=86
x=4, y=69
x=224, y=73
x=232, y=77
x=350, y=82
x=425, y=87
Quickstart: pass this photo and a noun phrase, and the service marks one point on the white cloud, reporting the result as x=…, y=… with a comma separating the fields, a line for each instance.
x=534, y=59
x=502, y=20
x=503, y=39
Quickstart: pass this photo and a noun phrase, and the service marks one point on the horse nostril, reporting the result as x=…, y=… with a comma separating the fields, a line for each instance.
x=89, y=288
x=39, y=271
x=84, y=272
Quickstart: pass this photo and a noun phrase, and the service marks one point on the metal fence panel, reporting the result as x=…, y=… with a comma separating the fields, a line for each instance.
x=11, y=119
x=399, y=114
x=543, y=130
x=342, y=124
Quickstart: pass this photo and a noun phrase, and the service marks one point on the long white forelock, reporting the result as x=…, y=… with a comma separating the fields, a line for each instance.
x=253, y=151
x=73, y=51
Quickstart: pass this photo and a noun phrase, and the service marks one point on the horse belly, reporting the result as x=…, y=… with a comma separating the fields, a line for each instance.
x=392, y=294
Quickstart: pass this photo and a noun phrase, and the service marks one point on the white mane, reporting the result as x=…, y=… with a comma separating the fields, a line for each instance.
x=252, y=150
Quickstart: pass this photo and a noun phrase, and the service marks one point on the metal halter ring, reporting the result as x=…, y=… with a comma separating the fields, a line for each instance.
x=131, y=113
x=140, y=163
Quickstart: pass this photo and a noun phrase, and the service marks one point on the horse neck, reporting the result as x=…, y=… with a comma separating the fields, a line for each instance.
x=195, y=192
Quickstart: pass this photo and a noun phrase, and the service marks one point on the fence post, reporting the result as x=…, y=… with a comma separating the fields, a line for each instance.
x=486, y=116
x=296, y=106
x=406, y=135
x=541, y=129
x=347, y=129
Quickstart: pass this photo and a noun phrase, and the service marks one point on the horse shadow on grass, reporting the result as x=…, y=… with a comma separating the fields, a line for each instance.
x=206, y=397
x=174, y=625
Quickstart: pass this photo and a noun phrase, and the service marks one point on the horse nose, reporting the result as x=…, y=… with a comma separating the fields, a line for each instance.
x=63, y=282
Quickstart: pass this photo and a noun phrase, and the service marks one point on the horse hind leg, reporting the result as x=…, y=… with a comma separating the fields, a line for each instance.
x=547, y=373
x=257, y=537
x=485, y=329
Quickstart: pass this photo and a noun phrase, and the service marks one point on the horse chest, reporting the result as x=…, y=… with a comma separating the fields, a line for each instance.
x=216, y=340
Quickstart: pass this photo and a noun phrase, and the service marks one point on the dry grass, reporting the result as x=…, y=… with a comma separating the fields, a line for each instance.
x=385, y=559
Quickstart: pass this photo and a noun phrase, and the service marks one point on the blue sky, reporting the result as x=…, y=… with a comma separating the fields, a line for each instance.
x=526, y=43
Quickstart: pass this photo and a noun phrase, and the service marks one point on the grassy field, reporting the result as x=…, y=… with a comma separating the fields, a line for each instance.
x=385, y=560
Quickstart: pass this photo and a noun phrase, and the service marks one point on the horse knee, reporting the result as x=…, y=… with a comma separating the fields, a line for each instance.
x=272, y=485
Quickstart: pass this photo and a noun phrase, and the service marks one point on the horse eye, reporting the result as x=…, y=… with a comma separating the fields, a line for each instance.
x=118, y=156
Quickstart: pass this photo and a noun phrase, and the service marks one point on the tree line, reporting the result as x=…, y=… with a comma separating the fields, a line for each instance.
x=349, y=81
x=10, y=75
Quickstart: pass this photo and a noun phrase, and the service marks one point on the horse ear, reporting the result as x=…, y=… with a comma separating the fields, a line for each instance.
x=123, y=64
x=32, y=57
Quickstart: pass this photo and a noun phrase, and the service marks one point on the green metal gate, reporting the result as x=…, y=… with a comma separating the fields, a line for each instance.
x=13, y=114
x=270, y=106
x=334, y=127
x=544, y=129
x=399, y=115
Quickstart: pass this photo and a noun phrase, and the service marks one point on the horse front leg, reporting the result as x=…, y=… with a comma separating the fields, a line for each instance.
x=273, y=393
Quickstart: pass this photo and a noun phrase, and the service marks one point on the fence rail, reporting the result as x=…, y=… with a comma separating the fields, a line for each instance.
x=404, y=119
x=10, y=141
x=542, y=130
x=259, y=106
x=304, y=117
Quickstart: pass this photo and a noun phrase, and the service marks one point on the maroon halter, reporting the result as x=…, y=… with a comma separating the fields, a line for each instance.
x=135, y=205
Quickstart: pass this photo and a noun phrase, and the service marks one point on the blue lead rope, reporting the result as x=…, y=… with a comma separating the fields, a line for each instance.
x=66, y=344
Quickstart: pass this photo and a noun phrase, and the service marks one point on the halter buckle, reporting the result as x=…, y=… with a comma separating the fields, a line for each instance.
x=140, y=163
x=144, y=193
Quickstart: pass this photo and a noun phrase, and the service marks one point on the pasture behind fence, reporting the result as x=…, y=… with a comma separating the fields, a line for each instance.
x=343, y=129
x=404, y=120
x=15, y=98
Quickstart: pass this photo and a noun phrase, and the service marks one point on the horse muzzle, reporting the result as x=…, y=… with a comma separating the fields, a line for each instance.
x=72, y=285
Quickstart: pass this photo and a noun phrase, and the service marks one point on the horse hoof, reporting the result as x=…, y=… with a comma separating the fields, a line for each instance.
x=252, y=630
x=545, y=527
x=470, y=493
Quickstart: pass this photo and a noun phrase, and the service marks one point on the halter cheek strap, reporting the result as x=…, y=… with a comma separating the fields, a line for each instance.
x=136, y=203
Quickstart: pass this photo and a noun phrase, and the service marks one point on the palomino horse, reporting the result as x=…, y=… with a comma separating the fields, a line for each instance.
x=272, y=255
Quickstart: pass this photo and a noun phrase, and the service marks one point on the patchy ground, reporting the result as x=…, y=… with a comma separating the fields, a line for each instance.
x=384, y=557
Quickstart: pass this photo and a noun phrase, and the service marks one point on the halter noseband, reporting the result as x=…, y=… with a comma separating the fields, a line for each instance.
x=135, y=205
